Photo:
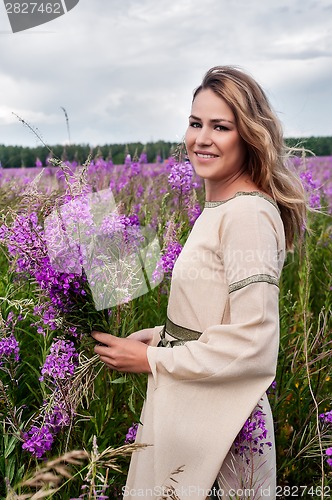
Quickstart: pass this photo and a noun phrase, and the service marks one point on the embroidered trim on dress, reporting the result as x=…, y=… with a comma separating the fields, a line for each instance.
x=180, y=332
x=256, y=278
x=213, y=204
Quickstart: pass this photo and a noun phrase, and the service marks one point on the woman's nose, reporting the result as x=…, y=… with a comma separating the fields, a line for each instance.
x=203, y=138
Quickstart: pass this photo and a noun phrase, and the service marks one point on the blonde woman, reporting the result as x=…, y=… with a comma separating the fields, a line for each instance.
x=213, y=361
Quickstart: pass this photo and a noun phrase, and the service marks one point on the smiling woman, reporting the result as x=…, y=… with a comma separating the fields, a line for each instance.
x=206, y=414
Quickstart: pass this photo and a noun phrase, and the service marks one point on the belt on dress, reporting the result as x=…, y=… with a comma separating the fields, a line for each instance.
x=180, y=334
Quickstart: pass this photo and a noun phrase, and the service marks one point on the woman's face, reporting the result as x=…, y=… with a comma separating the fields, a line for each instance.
x=215, y=148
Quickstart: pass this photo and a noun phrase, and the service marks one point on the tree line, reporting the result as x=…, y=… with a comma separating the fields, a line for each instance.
x=20, y=156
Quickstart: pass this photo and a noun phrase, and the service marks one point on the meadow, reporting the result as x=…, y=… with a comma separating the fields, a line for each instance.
x=67, y=423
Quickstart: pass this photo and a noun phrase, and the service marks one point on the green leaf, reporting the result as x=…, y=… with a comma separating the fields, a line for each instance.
x=10, y=446
x=10, y=469
x=120, y=380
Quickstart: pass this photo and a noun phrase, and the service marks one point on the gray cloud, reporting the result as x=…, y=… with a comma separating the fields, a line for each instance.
x=125, y=70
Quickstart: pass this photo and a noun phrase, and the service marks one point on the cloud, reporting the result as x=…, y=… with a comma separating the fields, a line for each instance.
x=125, y=70
x=307, y=44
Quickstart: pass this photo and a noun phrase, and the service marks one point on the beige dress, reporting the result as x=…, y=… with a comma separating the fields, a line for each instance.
x=200, y=393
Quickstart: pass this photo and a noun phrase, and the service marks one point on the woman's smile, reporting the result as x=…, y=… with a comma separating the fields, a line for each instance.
x=205, y=156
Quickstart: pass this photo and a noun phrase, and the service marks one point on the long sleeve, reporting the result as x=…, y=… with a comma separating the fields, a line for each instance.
x=251, y=340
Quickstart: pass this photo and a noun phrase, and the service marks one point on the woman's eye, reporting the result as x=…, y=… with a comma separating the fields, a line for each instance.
x=194, y=124
x=221, y=127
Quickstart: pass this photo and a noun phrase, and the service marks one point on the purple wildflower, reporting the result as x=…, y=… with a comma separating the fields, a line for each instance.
x=158, y=272
x=38, y=440
x=113, y=223
x=128, y=160
x=326, y=417
x=170, y=255
x=99, y=167
x=328, y=452
x=133, y=220
x=193, y=213
x=9, y=347
x=58, y=417
x=143, y=157
x=48, y=315
x=272, y=388
x=311, y=186
x=181, y=177
x=131, y=434
x=72, y=330
x=61, y=362
x=25, y=241
x=252, y=437
x=135, y=169
x=76, y=212
x=121, y=234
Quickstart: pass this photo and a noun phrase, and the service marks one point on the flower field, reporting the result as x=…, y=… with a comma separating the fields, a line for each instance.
x=67, y=423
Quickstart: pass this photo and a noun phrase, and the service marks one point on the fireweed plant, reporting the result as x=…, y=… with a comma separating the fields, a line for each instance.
x=55, y=397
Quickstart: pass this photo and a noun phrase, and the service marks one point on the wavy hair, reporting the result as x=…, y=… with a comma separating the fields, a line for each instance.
x=267, y=155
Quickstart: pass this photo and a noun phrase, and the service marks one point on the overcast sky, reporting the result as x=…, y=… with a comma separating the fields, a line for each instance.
x=124, y=70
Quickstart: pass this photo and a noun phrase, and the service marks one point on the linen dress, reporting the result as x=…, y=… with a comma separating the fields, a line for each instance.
x=224, y=289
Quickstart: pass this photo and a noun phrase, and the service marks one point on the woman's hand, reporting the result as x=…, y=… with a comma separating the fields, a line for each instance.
x=123, y=354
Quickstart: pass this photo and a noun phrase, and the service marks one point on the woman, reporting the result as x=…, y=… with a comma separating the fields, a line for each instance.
x=222, y=318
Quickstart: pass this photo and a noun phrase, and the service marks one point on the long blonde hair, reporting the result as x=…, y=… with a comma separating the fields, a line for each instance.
x=268, y=157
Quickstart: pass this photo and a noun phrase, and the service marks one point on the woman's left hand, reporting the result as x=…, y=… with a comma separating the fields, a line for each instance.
x=122, y=354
